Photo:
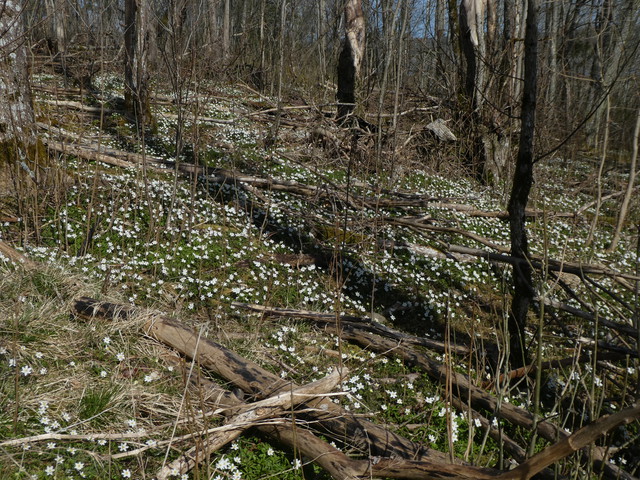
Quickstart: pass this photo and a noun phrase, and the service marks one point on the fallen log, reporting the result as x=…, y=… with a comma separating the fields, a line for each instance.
x=619, y=327
x=334, y=461
x=257, y=381
x=192, y=118
x=14, y=255
x=467, y=391
x=248, y=416
x=79, y=106
x=572, y=443
x=87, y=152
x=252, y=379
x=558, y=363
x=298, y=439
x=574, y=268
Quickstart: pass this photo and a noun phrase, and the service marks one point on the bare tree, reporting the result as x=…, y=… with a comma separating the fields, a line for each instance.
x=350, y=58
x=522, y=180
x=16, y=109
x=226, y=30
x=472, y=46
x=56, y=11
x=629, y=191
x=137, y=44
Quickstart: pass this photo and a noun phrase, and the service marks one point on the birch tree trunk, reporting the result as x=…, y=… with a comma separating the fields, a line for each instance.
x=472, y=46
x=136, y=46
x=522, y=180
x=350, y=58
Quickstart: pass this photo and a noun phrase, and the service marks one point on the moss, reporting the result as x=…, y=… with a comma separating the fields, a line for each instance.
x=35, y=153
x=331, y=233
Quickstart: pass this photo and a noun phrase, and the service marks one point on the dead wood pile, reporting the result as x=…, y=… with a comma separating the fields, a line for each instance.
x=385, y=453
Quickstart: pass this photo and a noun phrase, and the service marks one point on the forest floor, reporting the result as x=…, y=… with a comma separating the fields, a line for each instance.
x=268, y=210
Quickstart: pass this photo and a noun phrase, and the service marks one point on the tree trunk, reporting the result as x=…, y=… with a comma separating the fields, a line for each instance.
x=212, y=30
x=613, y=33
x=472, y=46
x=56, y=15
x=16, y=109
x=440, y=26
x=470, y=36
x=136, y=46
x=226, y=31
x=627, y=195
x=522, y=180
x=350, y=58
x=553, y=33
x=322, y=45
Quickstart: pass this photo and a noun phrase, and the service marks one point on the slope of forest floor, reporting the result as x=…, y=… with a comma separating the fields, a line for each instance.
x=269, y=208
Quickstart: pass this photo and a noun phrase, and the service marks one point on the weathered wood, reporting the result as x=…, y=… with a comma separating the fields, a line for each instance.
x=334, y=461
x=248, y=416
x=619, y=327
x=257, y=381
x=557, y=363
x=466, y=391
x=297, y=438
x=571, y=444
x=78, y=106
x=574, y=268
x=355, y=332
x=14, y=255
x=87, y=152
x=439, y=129
x=199, y=118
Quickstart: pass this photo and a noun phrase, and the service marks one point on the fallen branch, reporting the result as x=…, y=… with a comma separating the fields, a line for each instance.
x=79, y=106
x=248, y=416
x=571, y=444
x=14, y=255
x=257, y=381
x=619, y=327
x=87, y=152
x=558, y=363
x=191, y=117
x=298, y=439
x=574, y=268
x=464, y=389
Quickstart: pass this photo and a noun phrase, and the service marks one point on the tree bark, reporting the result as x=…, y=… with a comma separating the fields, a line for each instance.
x=624, y=208
x=226, y=31
x=350, y=58
x=56, y=12
x=137, y=43
x=522, y=180
x=472, y=46
x=16, y=109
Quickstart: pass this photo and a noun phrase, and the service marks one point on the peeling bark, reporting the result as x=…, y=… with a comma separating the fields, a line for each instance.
x=350, y=58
